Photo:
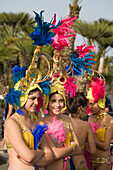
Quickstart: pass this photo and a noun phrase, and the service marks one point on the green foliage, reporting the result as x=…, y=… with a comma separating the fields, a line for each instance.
x=15, y=40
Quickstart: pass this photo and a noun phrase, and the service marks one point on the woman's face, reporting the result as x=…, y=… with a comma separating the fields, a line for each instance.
x=32, y=101
x=93, y=107
x=56, y=104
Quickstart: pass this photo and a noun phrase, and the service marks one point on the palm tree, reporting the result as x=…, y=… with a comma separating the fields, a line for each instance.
x=14, y=28
x=75, y=8
x=74, y=12
x=99, y=33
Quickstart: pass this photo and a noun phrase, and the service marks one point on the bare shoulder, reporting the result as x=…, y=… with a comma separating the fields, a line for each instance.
x=11, y=121
x=84, y=124
x=66, y=117
x=11, y=126
x=88, y=126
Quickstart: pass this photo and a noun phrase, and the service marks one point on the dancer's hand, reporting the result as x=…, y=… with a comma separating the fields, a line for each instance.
x=23, y=161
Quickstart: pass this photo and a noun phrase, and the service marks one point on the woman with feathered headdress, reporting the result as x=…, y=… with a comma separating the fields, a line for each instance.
x=101, y=122
x=60, y=134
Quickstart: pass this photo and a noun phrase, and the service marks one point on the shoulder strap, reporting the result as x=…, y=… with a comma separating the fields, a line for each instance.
x=105, y=119
x=65, y=123
x=19, y=119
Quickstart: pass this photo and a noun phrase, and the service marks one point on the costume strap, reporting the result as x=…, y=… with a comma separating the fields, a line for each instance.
x=69, y=136
x=65, y=123
x=105, y=120
x=20, y=121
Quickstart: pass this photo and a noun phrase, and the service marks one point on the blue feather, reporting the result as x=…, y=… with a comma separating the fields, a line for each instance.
x=43, y=34
x=18, y=73
x=45, y=86
x=20, y=112
x=81, y=64
x=38, y=133
x=13, y=97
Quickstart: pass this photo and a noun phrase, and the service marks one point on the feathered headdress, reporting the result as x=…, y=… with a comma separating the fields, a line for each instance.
x=33, y=79
x=63, y=68
x=96, y=91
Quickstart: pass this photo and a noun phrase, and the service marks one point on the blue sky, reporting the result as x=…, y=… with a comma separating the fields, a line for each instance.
x=91, y=9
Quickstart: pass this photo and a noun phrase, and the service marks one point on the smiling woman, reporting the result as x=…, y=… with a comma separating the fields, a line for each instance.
x=63, y=141
x=102, y=124
x=56, y=104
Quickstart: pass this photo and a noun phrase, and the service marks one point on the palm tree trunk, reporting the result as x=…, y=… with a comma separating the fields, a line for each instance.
x=100, y=68
x=74, y=11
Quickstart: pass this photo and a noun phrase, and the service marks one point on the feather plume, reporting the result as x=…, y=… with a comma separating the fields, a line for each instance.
x=13, y=97
x=62, y=33
x=98, y=88
x=81, y=64
x=18, y=73
x=83, y=50
x=43, y=34
x=38, y=133
x=70, y=86
x=45, y=86
x=94, y=127
x=56, y=129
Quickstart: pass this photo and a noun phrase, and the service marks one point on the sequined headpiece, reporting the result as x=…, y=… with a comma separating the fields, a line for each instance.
x=32, y=79
x=28, y=80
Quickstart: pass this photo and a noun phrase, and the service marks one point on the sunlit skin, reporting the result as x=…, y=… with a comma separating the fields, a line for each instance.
x=55, y=107
x=83, y=132
x=22, y=157
x=103, y=147
x=56, y=104
x=32, y=101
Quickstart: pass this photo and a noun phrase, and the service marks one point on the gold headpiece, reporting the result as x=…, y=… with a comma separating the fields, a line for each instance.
x=33, y=77
x=58, y=79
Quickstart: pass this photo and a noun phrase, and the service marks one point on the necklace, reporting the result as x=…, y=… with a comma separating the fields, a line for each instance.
x=101, y=115
x=19, y=111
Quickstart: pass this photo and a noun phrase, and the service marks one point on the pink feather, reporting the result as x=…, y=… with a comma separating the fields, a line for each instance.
x=88, y=111
x=84, y=50
x=63, y=32
x=94, y=127
x=98, y=88
x=70, y=86
x=57, y=130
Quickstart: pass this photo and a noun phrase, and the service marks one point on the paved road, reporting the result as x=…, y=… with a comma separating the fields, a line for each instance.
x=3, y=161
